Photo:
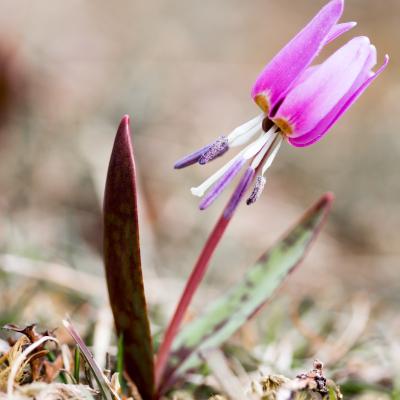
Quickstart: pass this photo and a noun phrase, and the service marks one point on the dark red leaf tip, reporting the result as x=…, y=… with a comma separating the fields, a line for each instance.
x=124, y=128
x=329, y=197
x=326, y=200
x=125, y=120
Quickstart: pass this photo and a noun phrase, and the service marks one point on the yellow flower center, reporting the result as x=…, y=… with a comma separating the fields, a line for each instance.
x=284, y=126
x=262, y=102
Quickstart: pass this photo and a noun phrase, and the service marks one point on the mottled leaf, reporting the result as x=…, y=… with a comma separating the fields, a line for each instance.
x=228, y=313
x=123, y=263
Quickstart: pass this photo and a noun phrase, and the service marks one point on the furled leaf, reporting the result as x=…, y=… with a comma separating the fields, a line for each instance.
x=228, y=313
x=123, y=263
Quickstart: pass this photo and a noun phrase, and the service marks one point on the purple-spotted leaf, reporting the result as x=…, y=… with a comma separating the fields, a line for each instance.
x=228, y=313
x=123, y=263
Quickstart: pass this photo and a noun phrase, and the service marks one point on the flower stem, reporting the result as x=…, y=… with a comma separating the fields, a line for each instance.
x=197, y=275
x=192, y=284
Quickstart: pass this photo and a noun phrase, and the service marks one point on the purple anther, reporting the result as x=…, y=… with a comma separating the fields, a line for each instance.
x=221, y=184
x=240, y=190
x=216, y=149
x=258, y=189
x=192, y=158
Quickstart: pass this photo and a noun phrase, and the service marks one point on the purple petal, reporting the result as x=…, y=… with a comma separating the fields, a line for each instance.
x=318, y=133
x=306, y=74
x=277, y=77
x=239, y=192
x=338, y=30
x=308, y=103
x=221, y=184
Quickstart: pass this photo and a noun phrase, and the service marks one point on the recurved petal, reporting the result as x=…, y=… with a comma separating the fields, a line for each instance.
x=317, y=133
x=277, y=77
x=308, y=103
x=338, y=30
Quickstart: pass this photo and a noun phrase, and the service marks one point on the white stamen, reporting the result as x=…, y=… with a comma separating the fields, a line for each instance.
x=248, y=152
x=245, y=132
x=201, y=189
x=253, y=148
x=271, y=157
x=271, y=137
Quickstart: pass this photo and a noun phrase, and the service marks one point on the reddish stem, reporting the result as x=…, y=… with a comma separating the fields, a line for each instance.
x=198, y=273
x=192, y=284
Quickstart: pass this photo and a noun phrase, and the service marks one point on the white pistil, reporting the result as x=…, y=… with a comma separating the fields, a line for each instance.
x=247, y=153
x=201, y=189
x=245, y=132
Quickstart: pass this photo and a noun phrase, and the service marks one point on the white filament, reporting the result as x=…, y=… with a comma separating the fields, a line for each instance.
x=201, y=189
x=259, y=157
x=271, y=157
x=243, y=133
x=248, y=152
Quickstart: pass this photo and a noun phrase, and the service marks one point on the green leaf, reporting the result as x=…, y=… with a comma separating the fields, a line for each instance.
x=123, y=263
x=228, y=313
x=77, y=364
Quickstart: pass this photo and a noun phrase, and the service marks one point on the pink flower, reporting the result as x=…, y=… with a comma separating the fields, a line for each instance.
x=299, y=103
x=315, y=103
x=282, y=72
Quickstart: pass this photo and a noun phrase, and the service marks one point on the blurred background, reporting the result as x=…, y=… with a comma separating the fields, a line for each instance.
x=183, y=72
